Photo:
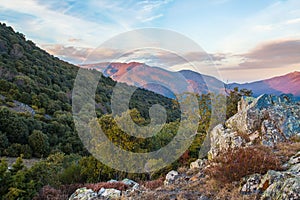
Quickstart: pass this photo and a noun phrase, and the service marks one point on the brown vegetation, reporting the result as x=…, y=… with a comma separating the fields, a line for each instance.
x=232, y=165
x=153, y=184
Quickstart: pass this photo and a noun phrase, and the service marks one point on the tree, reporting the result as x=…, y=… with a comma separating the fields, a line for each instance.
x=3, y=143
x=234, y=96
x=38, y=141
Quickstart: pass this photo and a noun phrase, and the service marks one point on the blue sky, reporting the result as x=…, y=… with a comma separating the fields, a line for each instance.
x=242, y=34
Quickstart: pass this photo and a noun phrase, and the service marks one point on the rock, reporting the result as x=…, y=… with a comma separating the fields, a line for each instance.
x=101, y=191
x=252, y=184
x=224, y=139
x=295, y=159
x=284, y=189
x=293, y=165
x=112, y=181
x=111, y=193
x=266, y=120
x=204, y=197
x=83, y=194
x=295, y=169
x=130, y=183
x=198, y=164
x=170, y=177
x=282, y=185
x=270, y=178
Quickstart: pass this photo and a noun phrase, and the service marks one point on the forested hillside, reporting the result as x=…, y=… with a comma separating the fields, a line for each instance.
x=36, y=87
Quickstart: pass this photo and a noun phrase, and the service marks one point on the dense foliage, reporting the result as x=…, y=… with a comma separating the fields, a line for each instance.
x=35, y=96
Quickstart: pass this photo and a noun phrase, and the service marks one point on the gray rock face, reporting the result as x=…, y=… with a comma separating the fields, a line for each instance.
x=251, y=185
x=198, y=164
x=276, y=185
x=111, y=194
x=280, y=185
x=266, y=120
x=171, y=177
x=83, y=194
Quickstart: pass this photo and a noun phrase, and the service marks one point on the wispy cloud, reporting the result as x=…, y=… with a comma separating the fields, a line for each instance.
x=278, y=20
x=52, y=25
x=275, y=54
x=91, y=22
x=293, y=21
x=152, y=18
x=80, y=55
x=267, y=60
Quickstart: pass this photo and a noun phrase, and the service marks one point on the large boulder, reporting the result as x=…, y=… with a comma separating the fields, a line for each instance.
x=265, y=120
x=111, y=193
x=276, y=185
x=83, y=194
x=171, y=177
x=280, y=185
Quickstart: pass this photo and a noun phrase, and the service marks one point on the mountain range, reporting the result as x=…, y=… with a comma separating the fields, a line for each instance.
x=160, y=80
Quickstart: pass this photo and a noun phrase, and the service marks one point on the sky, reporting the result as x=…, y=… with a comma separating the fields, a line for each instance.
x=246, y=40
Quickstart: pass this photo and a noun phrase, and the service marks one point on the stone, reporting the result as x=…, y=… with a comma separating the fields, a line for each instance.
x=269, y=178
x=251, y=184
x=198, y=164
x=83, y=194
x=101, y=191
x=130, y=183
x=112, y=181
x=295, y=169
x=284, y=189
x=282, y=185
x=111, y=193
x=171, y=177
x=265, y=120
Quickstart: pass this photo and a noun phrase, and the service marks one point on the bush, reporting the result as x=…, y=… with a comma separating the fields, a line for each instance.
x=154, y=184
x=71, y=175
x=48, y=192
x=232, y=165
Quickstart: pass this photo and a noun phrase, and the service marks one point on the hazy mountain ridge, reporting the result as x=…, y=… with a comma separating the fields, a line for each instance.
x=157, y=79
x=284, y=84
x=288, y=83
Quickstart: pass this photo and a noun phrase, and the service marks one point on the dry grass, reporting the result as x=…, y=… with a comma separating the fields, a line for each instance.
x=244, y=136
x=97, y=186
x=153, y=184
x=286, y=150
x=232, y=165
x=182, y=170
x=232, y=192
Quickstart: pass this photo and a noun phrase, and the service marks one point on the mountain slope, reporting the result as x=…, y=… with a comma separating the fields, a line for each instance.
x=289, y=83
x=157, y=79
x=138, y=73
x=36, y=96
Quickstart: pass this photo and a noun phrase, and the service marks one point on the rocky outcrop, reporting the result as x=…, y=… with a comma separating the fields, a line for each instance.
x=83, y=194
x=105, y=192
x=265, y=120
x=276, y=185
